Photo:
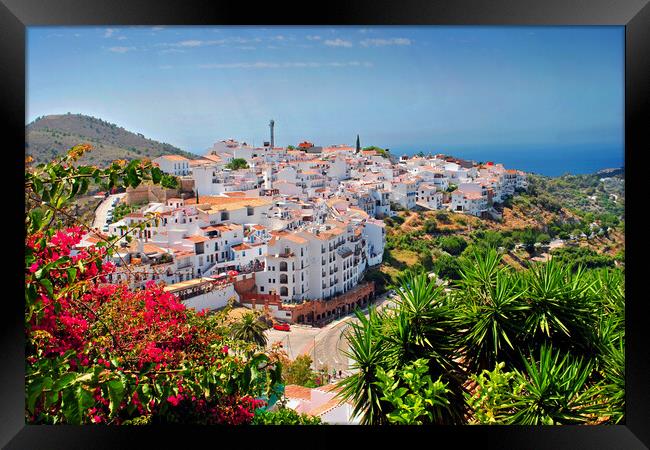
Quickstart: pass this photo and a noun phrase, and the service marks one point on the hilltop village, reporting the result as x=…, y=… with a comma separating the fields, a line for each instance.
x=288, y=230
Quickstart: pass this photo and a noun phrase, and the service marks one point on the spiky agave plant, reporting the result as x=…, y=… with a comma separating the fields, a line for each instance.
x=366, y=348
x=552, y=390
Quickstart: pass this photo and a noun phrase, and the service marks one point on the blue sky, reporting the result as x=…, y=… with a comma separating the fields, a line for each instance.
x=398, y=87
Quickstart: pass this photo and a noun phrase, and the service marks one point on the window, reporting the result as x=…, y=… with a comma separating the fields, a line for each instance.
x=225, y=215
x=250, y=210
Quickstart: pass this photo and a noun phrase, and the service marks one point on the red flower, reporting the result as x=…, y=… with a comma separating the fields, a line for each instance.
x=174, y=399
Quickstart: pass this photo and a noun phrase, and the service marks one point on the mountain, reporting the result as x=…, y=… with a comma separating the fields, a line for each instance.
x=49, y=136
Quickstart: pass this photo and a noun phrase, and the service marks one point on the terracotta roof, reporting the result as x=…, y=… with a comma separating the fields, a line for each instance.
x=174, y=157
x=182, y=252
x=196, y=238
x=240, y=247
x=229, y=203
x=198, y=162
x=295, y=391
x=326, y=407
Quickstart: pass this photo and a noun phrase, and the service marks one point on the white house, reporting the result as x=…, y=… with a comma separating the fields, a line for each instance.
x=173, y=164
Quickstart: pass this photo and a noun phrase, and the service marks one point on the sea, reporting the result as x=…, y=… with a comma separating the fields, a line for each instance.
x=548, y=161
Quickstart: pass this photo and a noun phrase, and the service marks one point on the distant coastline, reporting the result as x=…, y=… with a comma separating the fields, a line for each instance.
x=552, y=162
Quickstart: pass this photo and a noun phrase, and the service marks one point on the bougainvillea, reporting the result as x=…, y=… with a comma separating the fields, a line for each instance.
x=103, y=353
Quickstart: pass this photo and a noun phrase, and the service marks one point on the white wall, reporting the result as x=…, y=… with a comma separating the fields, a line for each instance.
x=215, y=299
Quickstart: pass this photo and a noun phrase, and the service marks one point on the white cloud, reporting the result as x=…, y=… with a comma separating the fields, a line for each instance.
x=314, y=38
x=191, y=43
x=384, y=42
x=290, y=65
x=121, y=49
x=199, y=43
x=171, y=50
x=338, y=42
x=122, y=38
x=157, y=28
x=109, y=32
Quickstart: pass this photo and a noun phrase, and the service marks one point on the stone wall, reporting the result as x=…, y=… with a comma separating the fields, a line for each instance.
x=149, y=193
x=187, y=185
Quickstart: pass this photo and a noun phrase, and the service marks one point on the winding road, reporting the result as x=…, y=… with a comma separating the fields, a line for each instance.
x=326, y=345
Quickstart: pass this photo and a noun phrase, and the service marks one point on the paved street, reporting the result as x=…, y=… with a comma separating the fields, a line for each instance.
x=325, y=345
x=102, y=210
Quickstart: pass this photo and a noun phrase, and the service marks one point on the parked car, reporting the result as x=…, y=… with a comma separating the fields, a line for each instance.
x=105, y=229
x=282, y=327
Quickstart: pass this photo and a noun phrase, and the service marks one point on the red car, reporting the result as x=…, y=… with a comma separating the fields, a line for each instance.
x=282, y=327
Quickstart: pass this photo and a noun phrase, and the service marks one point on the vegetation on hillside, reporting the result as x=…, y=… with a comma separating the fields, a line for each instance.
x=51, y=136
x=543, y=345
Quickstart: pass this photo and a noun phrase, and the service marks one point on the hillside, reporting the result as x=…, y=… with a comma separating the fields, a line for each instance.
x=49, y=136
x=583, y=215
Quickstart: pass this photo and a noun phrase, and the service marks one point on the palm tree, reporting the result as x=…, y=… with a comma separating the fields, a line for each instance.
x=249, y=329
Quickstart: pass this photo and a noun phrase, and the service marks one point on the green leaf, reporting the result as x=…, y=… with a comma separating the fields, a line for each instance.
x=34, y=391
x=115, y=394
x=63, y=382
x=47, y=284
x=72, y=274
x=156, y=175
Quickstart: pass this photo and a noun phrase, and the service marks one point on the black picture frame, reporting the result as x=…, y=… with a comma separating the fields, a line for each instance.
x=16, y=15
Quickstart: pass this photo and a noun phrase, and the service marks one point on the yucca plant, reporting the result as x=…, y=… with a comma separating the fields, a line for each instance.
x=561, y=311
x=492, y=321
x=367, y=350
x=613, y=401
x=424, y=325
x=479, y=272
x=552, y=390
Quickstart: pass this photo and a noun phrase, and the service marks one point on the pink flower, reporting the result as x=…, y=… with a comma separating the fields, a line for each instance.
x=33, y=268
x=174, y=399
x=225, y=349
